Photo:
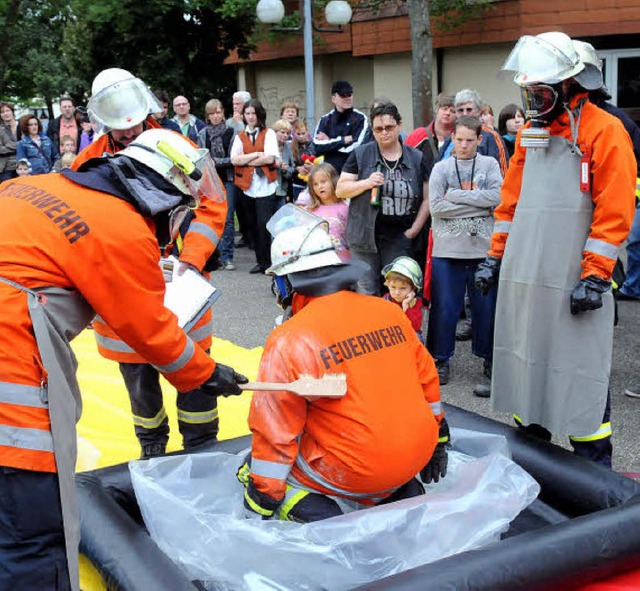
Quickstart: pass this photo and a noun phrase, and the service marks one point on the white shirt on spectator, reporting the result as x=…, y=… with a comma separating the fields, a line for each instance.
x=260, y=185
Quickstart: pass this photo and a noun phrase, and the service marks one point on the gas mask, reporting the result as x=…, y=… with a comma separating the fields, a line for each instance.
x=543, y=103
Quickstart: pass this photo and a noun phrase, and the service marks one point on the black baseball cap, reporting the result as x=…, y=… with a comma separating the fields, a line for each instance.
x=341, y=87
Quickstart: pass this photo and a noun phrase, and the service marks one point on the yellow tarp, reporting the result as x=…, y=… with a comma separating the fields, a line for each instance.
x=105, y=431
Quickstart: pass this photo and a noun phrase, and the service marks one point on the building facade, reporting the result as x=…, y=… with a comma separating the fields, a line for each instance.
x=373, y=52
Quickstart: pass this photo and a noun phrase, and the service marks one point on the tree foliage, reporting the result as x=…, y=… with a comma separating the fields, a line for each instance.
x=177, y=45
x=30, y=50
x=49, y=48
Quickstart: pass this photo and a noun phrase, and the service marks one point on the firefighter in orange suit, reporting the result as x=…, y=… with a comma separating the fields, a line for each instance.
x=72, y=245
x=567, y=205
x=121, y=105
x=312, y=458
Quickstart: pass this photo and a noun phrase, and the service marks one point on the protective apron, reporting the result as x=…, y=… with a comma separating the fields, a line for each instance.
x=549, y=367
x=58, y=316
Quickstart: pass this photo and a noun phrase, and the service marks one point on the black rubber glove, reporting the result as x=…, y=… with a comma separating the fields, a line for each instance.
x=224, y=382
x=437, y=466
x=487, y=274
x=587, y=295
x=443, y=434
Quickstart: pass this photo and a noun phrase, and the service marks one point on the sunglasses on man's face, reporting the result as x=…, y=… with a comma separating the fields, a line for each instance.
x=345, y=94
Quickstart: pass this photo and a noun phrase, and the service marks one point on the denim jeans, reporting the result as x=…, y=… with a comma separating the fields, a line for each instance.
x=229, y=234
x=631, y=285
x=449, y=279
x=392, y=243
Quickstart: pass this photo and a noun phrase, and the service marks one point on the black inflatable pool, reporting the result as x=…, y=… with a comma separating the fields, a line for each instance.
x=585, y=526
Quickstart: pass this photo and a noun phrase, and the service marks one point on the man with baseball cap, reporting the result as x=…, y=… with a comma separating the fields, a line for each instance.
x=342, y=129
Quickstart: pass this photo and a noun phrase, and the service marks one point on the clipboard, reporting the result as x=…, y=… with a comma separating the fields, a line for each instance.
x=188, y=295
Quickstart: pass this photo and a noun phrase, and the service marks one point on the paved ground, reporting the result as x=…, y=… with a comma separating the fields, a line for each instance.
x=246, y=311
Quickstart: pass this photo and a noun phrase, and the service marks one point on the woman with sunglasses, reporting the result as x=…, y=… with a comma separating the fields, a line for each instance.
x=387, y=183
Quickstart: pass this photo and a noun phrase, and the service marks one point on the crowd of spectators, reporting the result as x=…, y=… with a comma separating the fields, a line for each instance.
x=369, y=178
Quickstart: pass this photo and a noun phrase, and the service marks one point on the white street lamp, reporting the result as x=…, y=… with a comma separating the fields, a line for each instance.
x=270, y=11
x=337, y=12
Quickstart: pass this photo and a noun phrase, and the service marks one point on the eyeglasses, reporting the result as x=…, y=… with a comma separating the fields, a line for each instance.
x=465, y=110
x=345, y=94
x=387, y=128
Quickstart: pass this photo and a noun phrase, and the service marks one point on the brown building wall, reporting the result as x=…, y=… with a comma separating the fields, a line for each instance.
x=369, y=35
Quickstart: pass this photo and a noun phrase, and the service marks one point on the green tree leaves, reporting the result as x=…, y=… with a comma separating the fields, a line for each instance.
x=53, y=47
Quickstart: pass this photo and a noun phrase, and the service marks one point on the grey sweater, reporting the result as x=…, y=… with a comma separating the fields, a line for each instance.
x=462, y=217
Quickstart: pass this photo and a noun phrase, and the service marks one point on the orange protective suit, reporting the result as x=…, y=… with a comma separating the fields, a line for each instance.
x=198, y=244
x=362, y=446
x=612, y=167
x=54, y=233
x=105, y=145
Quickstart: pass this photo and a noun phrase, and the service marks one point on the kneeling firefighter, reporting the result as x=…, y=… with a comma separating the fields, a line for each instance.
x=567, y=203
x=73, y=245
x=311, y=458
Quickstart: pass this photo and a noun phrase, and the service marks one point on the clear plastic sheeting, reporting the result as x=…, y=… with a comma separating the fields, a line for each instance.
x=192, y=507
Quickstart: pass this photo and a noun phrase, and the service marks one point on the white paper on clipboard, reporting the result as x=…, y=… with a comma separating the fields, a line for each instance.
x=188, y=295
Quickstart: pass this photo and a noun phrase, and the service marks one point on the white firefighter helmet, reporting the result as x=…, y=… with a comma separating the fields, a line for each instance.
x=176, y=159
x=406, y=267
x=591, y=77
x=119, y=100
x=547, y=58
x=302, y=248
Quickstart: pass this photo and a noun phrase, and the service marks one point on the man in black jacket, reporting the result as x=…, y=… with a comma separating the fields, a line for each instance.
x=342, y=129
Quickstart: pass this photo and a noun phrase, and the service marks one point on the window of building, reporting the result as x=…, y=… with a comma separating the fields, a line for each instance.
x=621, y=70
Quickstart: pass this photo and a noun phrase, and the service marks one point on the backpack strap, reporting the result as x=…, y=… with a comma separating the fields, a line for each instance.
x=432, y=142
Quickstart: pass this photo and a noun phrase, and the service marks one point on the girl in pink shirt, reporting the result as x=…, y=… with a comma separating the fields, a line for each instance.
x=323, y=202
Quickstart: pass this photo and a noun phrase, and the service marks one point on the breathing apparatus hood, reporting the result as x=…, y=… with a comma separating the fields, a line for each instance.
x=188, y=168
